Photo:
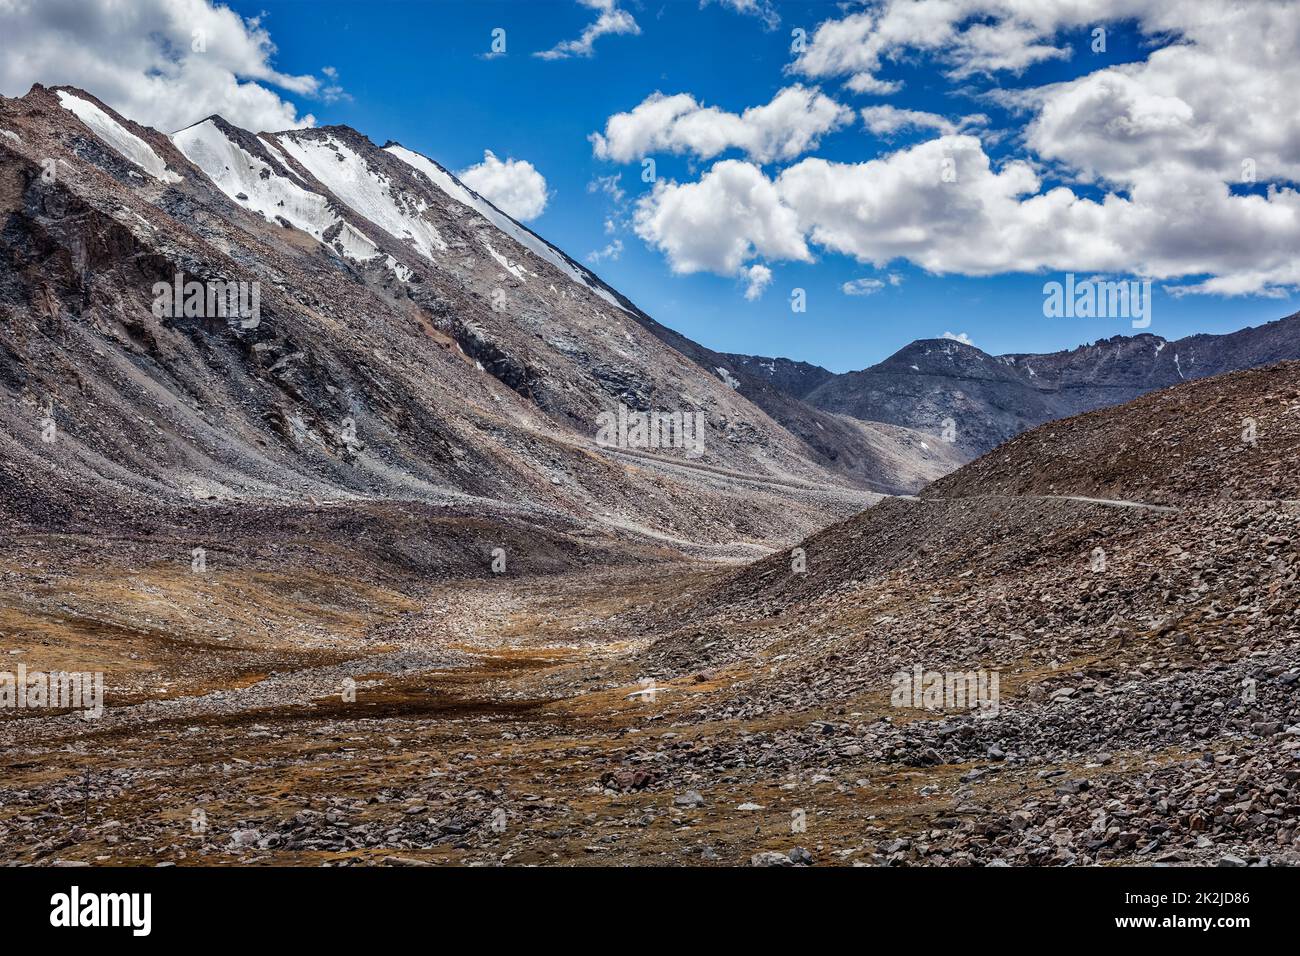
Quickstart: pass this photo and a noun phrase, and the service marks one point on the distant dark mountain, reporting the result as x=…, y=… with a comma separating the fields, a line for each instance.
x=796, y=378
x=880, y=455
x=938, y=383
x=988, y=399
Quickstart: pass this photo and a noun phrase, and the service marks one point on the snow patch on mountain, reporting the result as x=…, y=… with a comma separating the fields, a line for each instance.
x=256, y=185
x=399, y=270
x=116, y=135
x=274, y=149
x=458, y=191
x=365, y=189
x=514, y=268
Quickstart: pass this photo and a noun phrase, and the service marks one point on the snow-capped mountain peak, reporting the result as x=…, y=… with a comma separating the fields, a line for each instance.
x=366, y=190
x=244, y=167
x=453, y=187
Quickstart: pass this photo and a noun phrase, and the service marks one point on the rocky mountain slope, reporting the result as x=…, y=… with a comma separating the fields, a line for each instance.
x=413, y=344
x=938, y=384
x=988, y=399
x=1233, y=437
x=1132, y=577
x=1147, y=707
x=1147, y=704
x=888, y=458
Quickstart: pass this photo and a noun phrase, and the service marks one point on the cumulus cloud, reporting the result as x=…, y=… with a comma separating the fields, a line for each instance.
x=733, y=214
x=611, y=20
x=514, y=186
x=164, y=63
x=612, y=252
x=893, y=207
x=788, y=126
x=901, y=206
x=971, y=36
x=757, y=278
x=865, y=83
x=1198, y=108
x=1222, y=85
x=991, y=219
x=888, y=120
x=1163, y=146
x=961, y=337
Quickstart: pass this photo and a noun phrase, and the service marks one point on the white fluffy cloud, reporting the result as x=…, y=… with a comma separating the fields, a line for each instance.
x=1161, y=144
x=971, y=36
x=1200, y=108
x=732, y=215
x=140, y=59
x=865, y=83
x=514, y=186
x=961, y=337
x=989, y=220
x=1222, y=86
x=757, y=279
x=862, y=286
x=612, y=251
x=901, y=206
x=611, y=20
x=791, y=124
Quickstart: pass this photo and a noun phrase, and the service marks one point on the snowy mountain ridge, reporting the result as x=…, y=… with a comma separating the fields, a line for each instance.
x=269, y=184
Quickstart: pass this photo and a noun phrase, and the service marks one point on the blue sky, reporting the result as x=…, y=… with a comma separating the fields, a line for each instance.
x=415, y=72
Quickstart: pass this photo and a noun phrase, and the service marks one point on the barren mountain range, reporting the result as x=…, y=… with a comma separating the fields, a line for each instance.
x=989, y=399
x=694, y=713
x=414, y=344
x=417, y=344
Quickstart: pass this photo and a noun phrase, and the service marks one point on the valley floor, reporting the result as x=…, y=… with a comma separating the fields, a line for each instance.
x=487, y=694
x=532, y=721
